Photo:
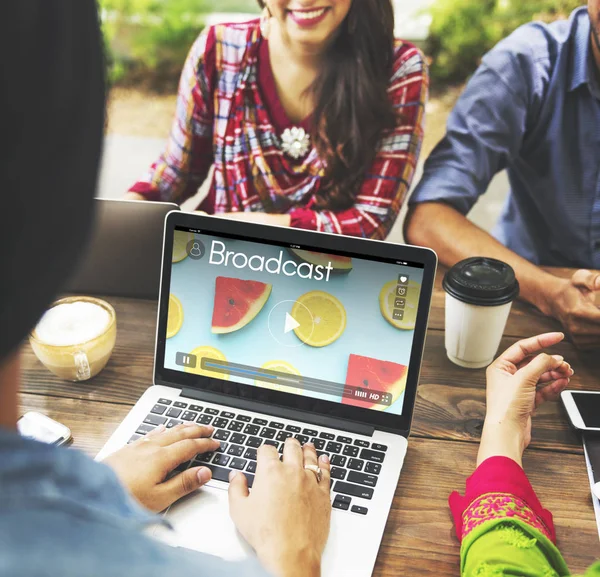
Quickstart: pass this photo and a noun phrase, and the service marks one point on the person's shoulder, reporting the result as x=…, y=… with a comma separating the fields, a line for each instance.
x=230, y=39
x=533, y=48
x=409, y=62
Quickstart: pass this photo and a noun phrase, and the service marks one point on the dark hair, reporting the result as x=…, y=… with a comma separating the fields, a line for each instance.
x=52, y=118
x=352, y=110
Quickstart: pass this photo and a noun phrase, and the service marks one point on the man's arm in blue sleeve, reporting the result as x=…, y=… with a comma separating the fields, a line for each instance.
x=485, y=129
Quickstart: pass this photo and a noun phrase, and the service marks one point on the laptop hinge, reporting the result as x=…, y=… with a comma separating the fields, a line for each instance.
x=277, y=411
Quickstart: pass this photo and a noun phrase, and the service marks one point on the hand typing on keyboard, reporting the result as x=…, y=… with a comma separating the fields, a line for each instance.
x=144, y=466
x=286, y=517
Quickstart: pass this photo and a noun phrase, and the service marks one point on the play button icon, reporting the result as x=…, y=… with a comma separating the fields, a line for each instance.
x=290, y=323
x=282, y=324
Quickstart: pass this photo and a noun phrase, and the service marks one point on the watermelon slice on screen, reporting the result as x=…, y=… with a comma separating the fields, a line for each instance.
x=237, y=302
x=374, y=376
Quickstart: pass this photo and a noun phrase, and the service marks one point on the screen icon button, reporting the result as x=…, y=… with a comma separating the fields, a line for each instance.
x=399, y=303
x=403, y=279
x=290, y=323
x=282, y=324
x=186, y=360
x=401, y=291
x=398, y=314
x=195, y=249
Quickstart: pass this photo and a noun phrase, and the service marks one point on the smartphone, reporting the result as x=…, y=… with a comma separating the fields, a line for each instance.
x=44, y=429
x=583, y=408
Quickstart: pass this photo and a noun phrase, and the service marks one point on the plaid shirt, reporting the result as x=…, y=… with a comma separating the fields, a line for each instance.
x=228, y=115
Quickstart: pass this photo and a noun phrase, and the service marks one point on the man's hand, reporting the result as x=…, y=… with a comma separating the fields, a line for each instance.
x=144, y=465
x=286, y=517
x=518, y=381
x=572, y=302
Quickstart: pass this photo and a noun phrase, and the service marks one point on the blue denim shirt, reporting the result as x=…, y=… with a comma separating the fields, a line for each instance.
x=532, y=107
x=64, y=515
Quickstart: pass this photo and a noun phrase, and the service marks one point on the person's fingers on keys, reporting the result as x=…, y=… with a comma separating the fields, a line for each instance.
x=522, y=349
x=586, y=279
x=266, y=456
x=310, y=457
x=238, y=493
x=156, y=431
x=541, y=364
x=181, y=485
x=187, y=449
x=325, y=467
x=292, y=452
x=185, y=431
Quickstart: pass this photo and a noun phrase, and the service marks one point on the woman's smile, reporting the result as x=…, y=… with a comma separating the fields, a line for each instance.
x=308, y=17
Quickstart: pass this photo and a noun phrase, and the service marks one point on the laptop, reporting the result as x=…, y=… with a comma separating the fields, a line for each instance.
x=123, y=256
x=270, y=332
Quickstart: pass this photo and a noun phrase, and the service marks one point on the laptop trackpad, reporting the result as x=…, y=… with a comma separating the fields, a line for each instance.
x=201, y=522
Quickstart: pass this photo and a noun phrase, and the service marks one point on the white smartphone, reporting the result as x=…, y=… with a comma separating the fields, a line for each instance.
x=583, y=408
x=44, y=429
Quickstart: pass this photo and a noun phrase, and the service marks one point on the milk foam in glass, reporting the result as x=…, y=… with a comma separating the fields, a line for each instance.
x=75, y=337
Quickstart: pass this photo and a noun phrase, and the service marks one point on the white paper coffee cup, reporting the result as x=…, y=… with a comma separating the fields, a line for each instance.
x=479, y=295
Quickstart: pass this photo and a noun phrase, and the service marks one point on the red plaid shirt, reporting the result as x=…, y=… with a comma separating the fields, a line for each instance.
x=228, y=115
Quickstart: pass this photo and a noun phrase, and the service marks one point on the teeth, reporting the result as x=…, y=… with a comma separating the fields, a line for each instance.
x=309, y=15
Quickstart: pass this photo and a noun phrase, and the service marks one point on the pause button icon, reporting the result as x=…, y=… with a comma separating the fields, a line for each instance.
x=185, y=360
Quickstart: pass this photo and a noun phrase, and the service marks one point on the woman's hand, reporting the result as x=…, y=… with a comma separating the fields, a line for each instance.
x=144, y=465
x=517, y=382
x=286, y=517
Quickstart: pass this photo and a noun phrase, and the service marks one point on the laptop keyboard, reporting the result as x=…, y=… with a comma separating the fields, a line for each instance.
x=355, y=463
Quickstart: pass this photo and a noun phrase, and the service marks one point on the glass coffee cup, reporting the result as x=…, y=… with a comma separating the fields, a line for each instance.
x=91, y=346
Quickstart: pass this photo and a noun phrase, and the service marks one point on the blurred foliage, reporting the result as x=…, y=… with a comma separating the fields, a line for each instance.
x=462, y=31
x=149, y=39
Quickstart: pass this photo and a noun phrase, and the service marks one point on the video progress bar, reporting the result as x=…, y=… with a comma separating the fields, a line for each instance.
x=304, y=383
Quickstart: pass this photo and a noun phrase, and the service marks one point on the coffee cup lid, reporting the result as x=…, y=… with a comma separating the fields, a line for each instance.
x=482, y=281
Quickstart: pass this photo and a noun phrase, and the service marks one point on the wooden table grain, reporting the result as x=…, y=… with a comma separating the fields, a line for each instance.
x=419, y=537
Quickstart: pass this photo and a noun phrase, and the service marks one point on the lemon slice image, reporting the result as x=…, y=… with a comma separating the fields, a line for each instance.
x=281, y=367
x=175, y=317
x=321, y=318
x=209, y=353
x=180, y=242
x=387, y=299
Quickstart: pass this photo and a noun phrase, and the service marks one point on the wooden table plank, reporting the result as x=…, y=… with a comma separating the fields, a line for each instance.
x=419, y=537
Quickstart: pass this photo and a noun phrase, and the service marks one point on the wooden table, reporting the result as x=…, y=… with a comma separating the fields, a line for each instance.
x=419, y=538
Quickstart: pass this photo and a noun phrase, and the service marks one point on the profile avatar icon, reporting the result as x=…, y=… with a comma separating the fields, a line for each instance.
x=195, y=249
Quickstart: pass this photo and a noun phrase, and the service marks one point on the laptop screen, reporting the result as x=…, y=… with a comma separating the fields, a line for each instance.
x=261, y=314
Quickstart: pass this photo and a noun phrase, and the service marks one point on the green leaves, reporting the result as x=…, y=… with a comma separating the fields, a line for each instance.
x=462, y=31
x=150, y=38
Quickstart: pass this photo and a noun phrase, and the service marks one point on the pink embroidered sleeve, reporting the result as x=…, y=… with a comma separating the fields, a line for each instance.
x=499, y=488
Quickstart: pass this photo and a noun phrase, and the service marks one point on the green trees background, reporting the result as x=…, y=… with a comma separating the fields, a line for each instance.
x=149, y=39
x=462, y=31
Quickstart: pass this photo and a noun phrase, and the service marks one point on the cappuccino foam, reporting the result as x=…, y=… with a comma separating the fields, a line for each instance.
x=72, y=324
